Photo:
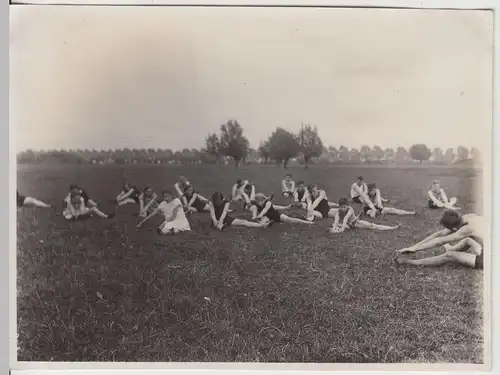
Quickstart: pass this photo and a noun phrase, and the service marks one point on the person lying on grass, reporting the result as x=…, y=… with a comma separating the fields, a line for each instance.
x=23, y=201
x=345, y=218
x=438, y=198
x=318, y=204
x=374, y=206
x=288, y=186
x=147, y=201
x=219, y=209
x=465, y=231
x=194, y=202
x=128, y=195
x=175, y=217
x=265, y=208
x=76, y=209
x=181, y=186
x=76, y=190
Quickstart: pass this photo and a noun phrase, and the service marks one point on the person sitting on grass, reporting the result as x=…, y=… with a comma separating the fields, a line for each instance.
x=301, y=195
x=239, y=192
x=23, y=201
x=181, y=186
x=76, y=190
x=318, y=204
x=462, y=239
x=345, y=218
x=128, y=195
x=359, y=189
x=265, y=208
x=194, y=202
x=288, y=186
x=77, y=210
x=374, y=206
x=219, y=209
x=438, y=198
x=147, y=201
x=175, y=218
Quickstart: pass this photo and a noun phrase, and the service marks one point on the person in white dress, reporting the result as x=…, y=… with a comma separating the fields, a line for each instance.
x=438, y=199
x=175, y=217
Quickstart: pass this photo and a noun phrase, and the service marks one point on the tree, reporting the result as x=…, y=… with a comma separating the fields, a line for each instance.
x=437, y=155
x=310, y=143
x=462, y=153
x=389, y=154
x=355, y=155
x=344, y=154
x=449, y=156
x=401, y=155
x=212, y=146
x=232, y=141
x=420, y=152
x=475, y=154
x=377, y=153
x=366, y=153
x=264, y=150
x=283, y=146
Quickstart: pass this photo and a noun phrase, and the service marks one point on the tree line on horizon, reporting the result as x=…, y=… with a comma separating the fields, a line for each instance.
x=281, y=147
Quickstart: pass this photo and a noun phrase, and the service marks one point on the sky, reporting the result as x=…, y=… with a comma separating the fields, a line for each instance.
x=165, y=77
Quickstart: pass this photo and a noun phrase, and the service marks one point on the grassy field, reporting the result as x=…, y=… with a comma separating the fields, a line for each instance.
x=104, y=291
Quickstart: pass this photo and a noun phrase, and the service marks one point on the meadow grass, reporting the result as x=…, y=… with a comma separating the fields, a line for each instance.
x=101, y=290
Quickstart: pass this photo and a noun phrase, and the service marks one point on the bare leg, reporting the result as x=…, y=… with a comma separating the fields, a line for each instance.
x=281, y=208
x=246, y=223
x=291, y=220
x=367, y=225
x=126, y=201
x=332, y=213
x=464, y=245
x=396, y=211
x=466, y=259
x=99, y=213
x=253, y=209
x=332, y=204
x=35, y=202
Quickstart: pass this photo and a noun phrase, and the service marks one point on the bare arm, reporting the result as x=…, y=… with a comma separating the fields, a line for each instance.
x=445, y=197
x=433, y=198
x=148, y=217
x=322, y=195
x=336, y=219
x=347, y=217
x=295, y=195
x=283, y=186
x=235, y=191
x=264, y=211
x=178, y=189
x=224, y=214
x=153, y=199
x=292, y=186
x=212, y=214
x=378, y=198
x=454, y=237
x=120, y=196
x=191, y=201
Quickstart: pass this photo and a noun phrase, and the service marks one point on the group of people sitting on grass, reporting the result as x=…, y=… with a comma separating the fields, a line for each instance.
x=465, y=230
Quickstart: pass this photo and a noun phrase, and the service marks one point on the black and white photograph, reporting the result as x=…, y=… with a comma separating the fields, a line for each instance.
x=251, y=184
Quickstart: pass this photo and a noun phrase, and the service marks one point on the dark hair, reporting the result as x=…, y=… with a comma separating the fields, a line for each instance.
x=187, y=187
x=371, y=186
x=310, y=187
x=73, y=186
x=300, y=182
x=288, y=175
x=166, y=191
x=343, y=202
x=239, y=182
x=451, y=220
x=360, y=178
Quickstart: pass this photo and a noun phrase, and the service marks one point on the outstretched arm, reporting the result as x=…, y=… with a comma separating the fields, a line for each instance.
x=444, y=196
x=153, y=199
x=223, y=215
x=378, y=198
x=322, y=195
x=437, y=239
x=191, y=201
x=178, y=189
x=148, y=217
x=120, y=196
x=264, y=211
x=347, y=217
x=433, y=198
x=212, y=214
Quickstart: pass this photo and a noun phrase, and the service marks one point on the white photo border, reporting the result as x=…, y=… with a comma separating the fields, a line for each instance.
x=8, y=169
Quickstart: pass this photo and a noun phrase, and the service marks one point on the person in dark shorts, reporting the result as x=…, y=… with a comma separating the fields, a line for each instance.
x=287, y=186
x=265, y=208
x=462, y=239
x=76, y=209
x=128, y=195
x=301, y=195
x=345, y=218
x=23, y=201
x=76, y=190
x=219, y=209
x=319, y=206
x=194, y=202
x=148, y=202
x=374, y=206
x=439, y=199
